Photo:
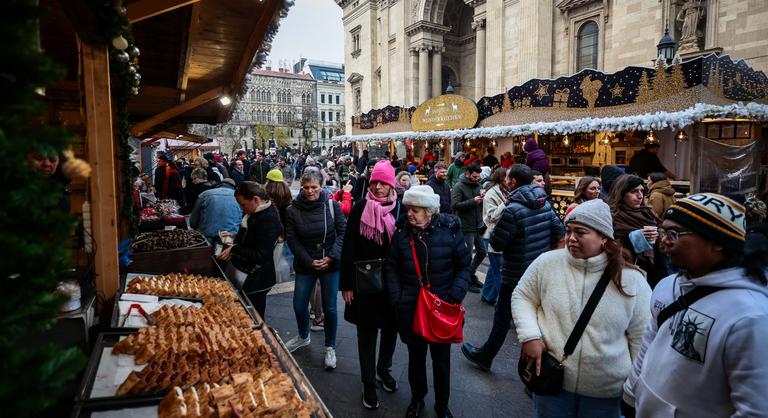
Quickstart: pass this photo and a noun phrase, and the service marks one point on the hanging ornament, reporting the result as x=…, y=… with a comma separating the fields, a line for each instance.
x=134, y=91
x=566, y=140
x=681, y=136
x=651, y=138
x=120, y=43
x=133, y=51
x=137, y=77
x=122, y=57
x=132, y=69
x=122, y=11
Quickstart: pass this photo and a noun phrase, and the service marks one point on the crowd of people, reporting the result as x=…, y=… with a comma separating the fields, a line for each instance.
x=656, y=344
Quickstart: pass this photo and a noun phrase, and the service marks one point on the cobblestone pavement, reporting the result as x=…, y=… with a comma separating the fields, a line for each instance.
x=474, y=393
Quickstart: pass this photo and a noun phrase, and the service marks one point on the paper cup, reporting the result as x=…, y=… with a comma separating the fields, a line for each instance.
x=653, y=229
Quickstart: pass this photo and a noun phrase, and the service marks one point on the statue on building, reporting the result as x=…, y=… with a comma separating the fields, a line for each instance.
x=691, y=15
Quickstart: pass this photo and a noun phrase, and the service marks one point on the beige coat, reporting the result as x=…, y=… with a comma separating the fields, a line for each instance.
x=661, y=197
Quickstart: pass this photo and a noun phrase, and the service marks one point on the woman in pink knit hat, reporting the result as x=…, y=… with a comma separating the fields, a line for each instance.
x=366, y=244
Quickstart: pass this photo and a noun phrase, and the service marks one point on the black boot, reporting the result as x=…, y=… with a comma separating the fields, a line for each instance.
x=370, y=400
x=476, y=282
x=443, y=412
x=477, y=356
x=415, y=408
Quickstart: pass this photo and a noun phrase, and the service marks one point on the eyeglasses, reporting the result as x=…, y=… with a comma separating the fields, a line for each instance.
x=672, y=234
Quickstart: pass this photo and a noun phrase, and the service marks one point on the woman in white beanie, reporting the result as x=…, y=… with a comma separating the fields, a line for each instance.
x=444, y=261
x=552, y=294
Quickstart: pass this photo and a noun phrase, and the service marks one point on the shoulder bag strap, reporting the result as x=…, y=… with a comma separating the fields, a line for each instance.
x=684, y=302
x=415, y=259
x=586, y=314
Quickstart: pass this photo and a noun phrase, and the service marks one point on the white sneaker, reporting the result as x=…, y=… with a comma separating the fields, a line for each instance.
x=330, y=358
x=296, y=343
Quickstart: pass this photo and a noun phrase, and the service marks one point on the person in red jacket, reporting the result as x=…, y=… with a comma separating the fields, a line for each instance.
x=344, y=197
x=429, y=156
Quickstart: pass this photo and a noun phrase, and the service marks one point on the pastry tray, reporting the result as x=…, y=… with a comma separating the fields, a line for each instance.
x=106, y=371
x=111, y=406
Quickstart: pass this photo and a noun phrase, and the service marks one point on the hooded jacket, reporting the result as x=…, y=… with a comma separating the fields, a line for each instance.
x=708, y=360
x=527, y=228
x=493, y=207
x=661, y=196
x=443, y=259
x=312, y=232
x=535, y=157
x=470, y=213
x=548, y=301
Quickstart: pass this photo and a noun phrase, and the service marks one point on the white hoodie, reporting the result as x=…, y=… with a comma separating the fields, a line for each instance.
x=708, y=360
x=549, y=299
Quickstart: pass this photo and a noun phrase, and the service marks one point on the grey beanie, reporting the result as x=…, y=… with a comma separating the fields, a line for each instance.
x=595, y=214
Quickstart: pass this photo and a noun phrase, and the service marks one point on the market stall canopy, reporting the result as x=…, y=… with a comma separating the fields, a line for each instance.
x=635, y=98
x=193, y=53
x=178, y=132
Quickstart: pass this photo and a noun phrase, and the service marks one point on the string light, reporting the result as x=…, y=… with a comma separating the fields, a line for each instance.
x=681, y=136
x=566, y=140
x=651, y=138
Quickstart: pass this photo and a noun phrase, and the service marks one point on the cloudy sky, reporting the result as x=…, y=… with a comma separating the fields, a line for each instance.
x=313, y=29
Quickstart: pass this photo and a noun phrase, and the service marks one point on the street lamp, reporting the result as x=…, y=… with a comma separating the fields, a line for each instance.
x=666, y=47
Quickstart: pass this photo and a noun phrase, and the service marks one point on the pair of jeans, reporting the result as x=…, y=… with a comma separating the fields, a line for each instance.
x=441, y=371
x=493, y=277
x=474, y=241
x=304, y=286
x=502, y=317
x=572, y=405
x=366, y=350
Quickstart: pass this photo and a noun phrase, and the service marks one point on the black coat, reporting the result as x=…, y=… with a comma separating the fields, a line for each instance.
x=312, y=233
x=255, y=245
x=258, y=171
x=237, y=176
x=442, y=189
x=528, y=227
x=369, y=311
x=444, y=260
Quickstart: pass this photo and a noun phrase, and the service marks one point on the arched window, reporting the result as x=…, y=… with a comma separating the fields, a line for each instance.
x=330, y=133
x=586, y=49
x=252, y=95
x=322, y=133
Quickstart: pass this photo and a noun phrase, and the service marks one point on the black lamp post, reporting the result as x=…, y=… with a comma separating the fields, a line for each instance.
x=666, y=47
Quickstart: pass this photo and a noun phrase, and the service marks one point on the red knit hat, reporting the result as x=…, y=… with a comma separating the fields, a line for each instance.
x=383, y=172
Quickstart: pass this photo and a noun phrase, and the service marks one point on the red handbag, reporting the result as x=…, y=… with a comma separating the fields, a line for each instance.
x=436, y=320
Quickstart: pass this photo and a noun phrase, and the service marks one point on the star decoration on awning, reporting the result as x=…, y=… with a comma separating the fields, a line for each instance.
x=542, y=91
x=616, y=91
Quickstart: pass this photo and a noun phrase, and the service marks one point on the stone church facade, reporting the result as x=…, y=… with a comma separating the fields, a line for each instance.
x=403, y=52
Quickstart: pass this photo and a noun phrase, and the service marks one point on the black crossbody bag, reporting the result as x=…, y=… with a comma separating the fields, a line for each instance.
x=549, y=382
x=683, y=302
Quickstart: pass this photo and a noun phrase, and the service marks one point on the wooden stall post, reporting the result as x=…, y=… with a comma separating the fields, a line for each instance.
x=101, y=155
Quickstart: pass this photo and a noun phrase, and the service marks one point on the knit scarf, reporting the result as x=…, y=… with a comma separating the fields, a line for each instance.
x=377, y=219
x=627, y=219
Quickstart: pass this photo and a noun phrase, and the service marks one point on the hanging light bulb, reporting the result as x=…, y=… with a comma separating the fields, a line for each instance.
x=681, y=136
x=442, y=145
x=493, y=143
x=651, y=138
x=467, y=143
x=566, y=140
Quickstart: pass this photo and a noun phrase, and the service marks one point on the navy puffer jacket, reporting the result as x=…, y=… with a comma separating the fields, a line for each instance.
x=444, y=260
x=528, y=227
x=312, y=232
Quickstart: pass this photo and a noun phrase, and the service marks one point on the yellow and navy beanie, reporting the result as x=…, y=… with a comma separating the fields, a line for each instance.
x=713, y=216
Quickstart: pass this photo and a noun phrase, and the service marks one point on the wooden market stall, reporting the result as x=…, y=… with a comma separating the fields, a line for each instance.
x=693, y=109
x=192, y=65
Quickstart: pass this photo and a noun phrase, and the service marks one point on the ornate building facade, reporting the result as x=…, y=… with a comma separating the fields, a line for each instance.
x=403, y=52
x=329, y=97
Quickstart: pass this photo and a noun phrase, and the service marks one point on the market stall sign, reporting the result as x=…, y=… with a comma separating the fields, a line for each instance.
x=446, y=112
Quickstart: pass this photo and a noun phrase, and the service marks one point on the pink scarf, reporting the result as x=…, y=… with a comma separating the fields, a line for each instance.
x=377, y=219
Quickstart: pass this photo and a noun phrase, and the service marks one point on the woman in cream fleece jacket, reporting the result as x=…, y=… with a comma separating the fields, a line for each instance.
x=552, y=294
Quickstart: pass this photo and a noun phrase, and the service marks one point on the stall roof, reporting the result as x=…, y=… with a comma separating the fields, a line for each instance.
x=192, y=53
x=634, y=98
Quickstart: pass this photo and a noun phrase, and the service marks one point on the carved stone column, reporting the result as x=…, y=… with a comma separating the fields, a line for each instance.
x=414, y=96
x=437, y=71
x=423, y=74
x=479, y=27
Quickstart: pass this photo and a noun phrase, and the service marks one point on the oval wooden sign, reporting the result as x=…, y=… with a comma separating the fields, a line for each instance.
x=449, y=111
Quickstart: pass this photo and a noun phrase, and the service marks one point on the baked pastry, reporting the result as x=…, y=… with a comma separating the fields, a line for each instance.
x=210, y=314
x=210, y=289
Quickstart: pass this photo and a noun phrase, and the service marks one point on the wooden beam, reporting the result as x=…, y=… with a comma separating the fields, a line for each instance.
x=186, y=53
x=144, y=9
x=101, y=155
x=254, y=41
x=202, y=99
x=154, y=91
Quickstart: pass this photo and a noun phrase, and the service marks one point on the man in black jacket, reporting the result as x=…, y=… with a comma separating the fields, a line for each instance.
x=528, y=227
x=439, y=184
x=467, y=202
x=259, y=169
